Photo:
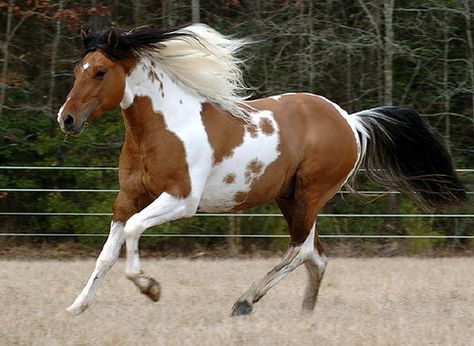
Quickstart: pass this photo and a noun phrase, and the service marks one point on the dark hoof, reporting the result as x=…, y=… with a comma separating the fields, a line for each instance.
x=153, y=291
x=241, y=308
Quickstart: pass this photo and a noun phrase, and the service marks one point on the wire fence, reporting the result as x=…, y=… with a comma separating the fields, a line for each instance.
x=204, y=235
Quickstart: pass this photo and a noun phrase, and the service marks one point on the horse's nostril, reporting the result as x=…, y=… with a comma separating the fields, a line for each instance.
x=68, y=121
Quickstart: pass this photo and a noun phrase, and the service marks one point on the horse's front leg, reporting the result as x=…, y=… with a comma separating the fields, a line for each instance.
x=106, y=259
x=164, y=209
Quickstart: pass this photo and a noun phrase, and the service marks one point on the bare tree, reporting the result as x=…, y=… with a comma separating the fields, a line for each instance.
x=54, y=54
x=468, y=14
x=195, y=11
x=388, y=52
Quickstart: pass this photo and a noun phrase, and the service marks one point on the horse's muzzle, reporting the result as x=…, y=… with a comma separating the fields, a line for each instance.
x=70, y=126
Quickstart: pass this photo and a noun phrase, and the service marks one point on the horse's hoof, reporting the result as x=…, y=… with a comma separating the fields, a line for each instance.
x=241, y=308
x=76, y=309
x=153, y=291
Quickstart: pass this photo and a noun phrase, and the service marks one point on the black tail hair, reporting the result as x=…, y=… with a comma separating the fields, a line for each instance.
x=400, y=152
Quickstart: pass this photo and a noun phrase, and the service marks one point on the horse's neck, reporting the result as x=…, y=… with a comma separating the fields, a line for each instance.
x=150, y=90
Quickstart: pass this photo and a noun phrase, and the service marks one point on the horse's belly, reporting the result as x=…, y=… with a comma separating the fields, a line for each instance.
x=215, y=199
x=225, y=186
x=231, y=181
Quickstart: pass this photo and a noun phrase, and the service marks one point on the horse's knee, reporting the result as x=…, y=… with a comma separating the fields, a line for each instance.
x=133, y=228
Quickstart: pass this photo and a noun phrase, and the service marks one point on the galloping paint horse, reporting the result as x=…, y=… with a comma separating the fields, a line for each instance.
x=191, y=143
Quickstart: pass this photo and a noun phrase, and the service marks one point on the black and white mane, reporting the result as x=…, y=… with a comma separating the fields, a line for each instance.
x=197, y=56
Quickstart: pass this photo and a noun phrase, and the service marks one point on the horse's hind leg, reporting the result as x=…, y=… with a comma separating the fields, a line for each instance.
x=293, y=258
x=300, y=216
x=316, y=265
x=300, y=213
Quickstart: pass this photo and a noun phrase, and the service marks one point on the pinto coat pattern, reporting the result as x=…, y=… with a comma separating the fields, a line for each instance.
x=192, y=143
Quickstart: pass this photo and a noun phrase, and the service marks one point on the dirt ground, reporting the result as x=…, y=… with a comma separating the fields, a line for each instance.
x=389, y=301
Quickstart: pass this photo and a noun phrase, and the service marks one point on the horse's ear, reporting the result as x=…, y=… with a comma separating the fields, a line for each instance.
x=113, y=38
x=84, y=34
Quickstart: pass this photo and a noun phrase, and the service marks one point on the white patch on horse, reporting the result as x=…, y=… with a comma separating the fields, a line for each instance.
x=279, y=97
x=62, y=109
x=258, y=147
x=184, y=121
x=307, y=247
x=85, y=66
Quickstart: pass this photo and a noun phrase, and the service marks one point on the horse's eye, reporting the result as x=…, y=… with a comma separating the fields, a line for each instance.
x=100, y=74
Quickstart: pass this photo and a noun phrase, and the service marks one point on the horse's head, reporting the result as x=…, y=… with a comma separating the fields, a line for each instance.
x=98, y=86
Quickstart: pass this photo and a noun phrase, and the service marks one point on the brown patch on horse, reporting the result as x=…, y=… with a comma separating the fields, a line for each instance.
x=129, y=64
x=146, y=168
x=224, y=132
x=266, y=126
x=252, y=130
x=240, y=197
x=229, y=178
x=153, y=76
x=162, y=88
x=254, y=168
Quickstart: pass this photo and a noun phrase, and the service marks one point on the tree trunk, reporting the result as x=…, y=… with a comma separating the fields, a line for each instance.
x=311, y=46
x=234, y=242
x=54, y=54
x=375, y=22
x=196, y=11
x=446, y=92
x=6, y=53
x=392, y=202
x=138, y=11
x=388, y=53
x=470, y=46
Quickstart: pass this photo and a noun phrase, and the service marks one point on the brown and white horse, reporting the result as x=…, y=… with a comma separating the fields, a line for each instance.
x=191, y=143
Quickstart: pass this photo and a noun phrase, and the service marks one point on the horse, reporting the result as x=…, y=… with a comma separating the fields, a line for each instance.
x=194, y=143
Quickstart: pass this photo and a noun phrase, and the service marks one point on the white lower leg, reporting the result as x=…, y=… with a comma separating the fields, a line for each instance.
x=165, y=208
x=293, y=258
x=146, y=284
x=316, y=265
x=290, y=261
x=105, y=261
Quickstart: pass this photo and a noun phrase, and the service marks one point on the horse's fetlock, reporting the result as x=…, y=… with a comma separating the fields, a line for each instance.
x=132, y=275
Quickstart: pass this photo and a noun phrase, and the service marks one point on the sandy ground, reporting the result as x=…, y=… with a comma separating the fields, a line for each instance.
x=392, y=301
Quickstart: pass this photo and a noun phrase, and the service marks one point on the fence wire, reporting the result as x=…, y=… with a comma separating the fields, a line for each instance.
x=202, y=235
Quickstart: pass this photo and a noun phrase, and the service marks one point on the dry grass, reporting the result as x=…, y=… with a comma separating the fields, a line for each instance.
x=396, y=301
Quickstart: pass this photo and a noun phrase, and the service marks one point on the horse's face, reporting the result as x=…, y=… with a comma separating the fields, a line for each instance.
x=98, y=87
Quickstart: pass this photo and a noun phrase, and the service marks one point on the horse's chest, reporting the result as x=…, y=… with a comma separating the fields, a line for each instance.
x=232, y=180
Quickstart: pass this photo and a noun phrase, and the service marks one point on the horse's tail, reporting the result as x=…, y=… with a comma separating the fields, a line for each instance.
x=398, y=151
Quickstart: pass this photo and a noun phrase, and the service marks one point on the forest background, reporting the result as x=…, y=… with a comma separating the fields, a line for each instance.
x=360, y=54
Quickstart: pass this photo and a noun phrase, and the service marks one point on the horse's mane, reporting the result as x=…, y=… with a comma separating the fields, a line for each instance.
x=200, y=58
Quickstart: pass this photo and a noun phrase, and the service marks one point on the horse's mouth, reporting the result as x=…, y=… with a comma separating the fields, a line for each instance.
x=75, y=130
